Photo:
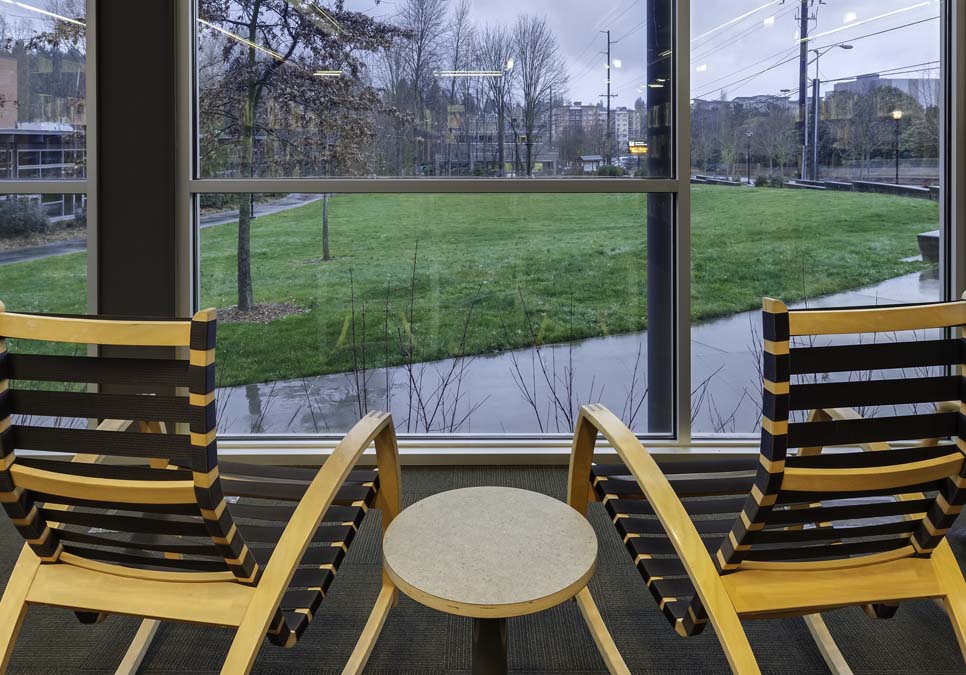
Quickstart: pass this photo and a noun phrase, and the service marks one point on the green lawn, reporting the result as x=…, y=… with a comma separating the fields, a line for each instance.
x=576, y=262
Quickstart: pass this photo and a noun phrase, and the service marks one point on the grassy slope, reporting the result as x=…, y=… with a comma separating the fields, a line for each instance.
x=556, y=251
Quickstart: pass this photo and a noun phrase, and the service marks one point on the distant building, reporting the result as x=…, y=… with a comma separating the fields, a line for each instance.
x=41, y=135
x=591, y=162
x=578, y=116
x=763, y=102
x=622, y=128
x=8, y=92
x=926, y=90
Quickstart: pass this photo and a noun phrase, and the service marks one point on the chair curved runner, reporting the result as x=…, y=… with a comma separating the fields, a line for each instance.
x=174, y=534
x=782, y=534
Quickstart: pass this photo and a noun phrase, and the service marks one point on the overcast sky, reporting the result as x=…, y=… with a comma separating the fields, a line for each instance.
x=733, y=41
x=727, y=50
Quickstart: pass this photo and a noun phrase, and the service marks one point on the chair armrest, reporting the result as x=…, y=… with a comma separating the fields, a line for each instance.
x=672, y=516
x=308, y=515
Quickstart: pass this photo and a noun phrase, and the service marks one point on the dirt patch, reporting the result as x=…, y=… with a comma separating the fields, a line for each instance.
x=54, y=235
x=264, y=313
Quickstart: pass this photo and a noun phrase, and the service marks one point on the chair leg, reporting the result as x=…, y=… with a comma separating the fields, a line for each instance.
x=826, y=645
x=602, y=637
x=951, y=580
x=139, y=647
x=370, y=634
x=13, y=605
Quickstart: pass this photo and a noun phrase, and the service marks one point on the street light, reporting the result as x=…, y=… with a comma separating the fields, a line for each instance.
x=816, y=112
x=897, y=116
x=748, y=154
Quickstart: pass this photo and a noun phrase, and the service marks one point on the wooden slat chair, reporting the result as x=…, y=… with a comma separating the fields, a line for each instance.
x=164, y=531
x=786, y=534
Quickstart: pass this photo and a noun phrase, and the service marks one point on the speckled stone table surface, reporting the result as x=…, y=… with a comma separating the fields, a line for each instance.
x=490, y=552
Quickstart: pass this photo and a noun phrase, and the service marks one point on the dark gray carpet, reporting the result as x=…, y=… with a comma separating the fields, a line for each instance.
x=417, y=640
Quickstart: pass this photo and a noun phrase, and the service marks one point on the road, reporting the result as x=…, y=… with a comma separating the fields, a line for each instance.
x=56, y=248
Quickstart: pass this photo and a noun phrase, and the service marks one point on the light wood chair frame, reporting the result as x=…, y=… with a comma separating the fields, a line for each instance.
x=773, y=590
x=206, y=598
x=761, y=591
x=214, y=599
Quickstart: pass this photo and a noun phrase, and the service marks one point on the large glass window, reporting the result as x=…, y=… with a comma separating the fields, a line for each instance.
x=43, y=92
x=464, y=313
x=43, y=237
x=815, y=158
x=460, y=310
x=427, y=88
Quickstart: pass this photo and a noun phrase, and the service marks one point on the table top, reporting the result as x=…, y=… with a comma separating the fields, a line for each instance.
x=490, y=552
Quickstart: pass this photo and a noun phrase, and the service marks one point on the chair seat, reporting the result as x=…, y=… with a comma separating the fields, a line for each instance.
x=261, y=500
x=266, y=499
x=712, y=490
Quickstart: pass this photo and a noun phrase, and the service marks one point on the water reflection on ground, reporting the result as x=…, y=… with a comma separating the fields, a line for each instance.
x=514, y=393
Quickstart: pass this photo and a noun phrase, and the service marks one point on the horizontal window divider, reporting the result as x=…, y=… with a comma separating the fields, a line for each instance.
x=415, y=451
x=436, y=185
x=43, y=187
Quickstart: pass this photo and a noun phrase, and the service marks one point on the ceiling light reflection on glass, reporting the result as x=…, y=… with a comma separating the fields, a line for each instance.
x=38, y=10
x=239, y=38
x=468, y=73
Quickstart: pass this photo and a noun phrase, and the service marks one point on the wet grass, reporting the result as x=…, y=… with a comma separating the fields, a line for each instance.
x=531, y=267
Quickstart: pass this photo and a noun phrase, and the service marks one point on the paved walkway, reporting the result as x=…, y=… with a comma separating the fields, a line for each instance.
x=56, y=248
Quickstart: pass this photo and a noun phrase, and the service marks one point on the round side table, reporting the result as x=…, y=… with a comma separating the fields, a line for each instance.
x=490, y=553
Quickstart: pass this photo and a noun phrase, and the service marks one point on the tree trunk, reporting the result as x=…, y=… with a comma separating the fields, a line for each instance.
x=529, y=157
x=501, y=141
x=245, y=293
x=325, y=228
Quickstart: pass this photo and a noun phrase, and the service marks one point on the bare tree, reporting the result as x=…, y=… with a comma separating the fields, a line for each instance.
x=541, y=68
x=425, y=23
x=495, y=48
x=460, y=47
x=774, y=135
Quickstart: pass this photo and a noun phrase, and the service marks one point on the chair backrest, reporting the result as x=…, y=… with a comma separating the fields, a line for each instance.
x=163, y=511
x=894, y=495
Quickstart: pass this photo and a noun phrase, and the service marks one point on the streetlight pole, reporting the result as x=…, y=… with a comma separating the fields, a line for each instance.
x=897, y=116
x=748, y=154
x=816, y=110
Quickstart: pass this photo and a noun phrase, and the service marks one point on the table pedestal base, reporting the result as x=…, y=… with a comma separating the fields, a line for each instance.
x=489, y=646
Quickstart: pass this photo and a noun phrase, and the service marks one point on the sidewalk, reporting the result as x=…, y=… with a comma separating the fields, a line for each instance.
x=19, y=255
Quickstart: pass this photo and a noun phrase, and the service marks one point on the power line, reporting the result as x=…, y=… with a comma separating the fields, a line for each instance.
x=605, y=19
x=898, y=70
x=630, y=32
x=835, y=44
x=712, y=50
x=734, y=20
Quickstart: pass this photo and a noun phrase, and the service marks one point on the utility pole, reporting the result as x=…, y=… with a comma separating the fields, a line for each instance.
x=816, y=117
x=551, y=114
x=609, y=137
x=804, y=18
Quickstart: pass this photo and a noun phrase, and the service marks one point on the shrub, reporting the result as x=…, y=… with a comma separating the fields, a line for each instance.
x=777, y=181
x=610, y=170
x=218, y=202
x=20, y=216
x=80, y=217
x=761, y=181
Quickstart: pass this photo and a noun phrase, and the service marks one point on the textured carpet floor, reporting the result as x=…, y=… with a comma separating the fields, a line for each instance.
x=417, y=640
